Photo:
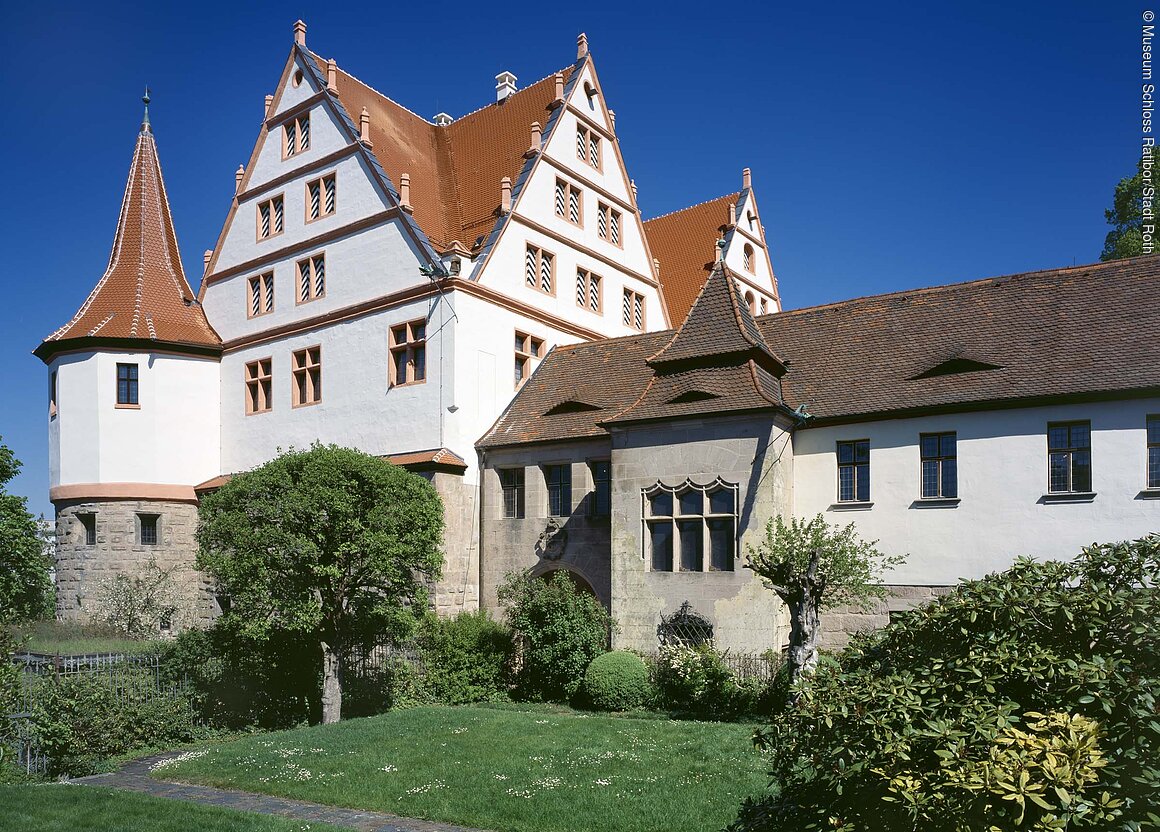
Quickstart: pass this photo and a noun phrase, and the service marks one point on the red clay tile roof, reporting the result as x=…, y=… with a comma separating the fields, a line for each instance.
x=455, y=170
x=143, y=295
x=684, y=242
x=1087, y=332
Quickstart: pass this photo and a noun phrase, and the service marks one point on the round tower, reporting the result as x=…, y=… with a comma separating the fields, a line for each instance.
x=133, y=411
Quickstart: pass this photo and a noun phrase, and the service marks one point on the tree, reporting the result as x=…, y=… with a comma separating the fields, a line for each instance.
x=812, y=566
x=25, y=585
x=1126, y=216
x=330, y=543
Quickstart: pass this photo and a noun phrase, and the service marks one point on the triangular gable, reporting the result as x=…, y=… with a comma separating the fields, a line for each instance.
x=685, y=244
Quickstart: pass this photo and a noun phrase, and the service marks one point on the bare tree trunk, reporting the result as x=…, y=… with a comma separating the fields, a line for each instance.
x=332, y=679
x=802, y=597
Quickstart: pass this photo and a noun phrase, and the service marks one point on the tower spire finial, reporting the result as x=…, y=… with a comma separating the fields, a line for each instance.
x=145, y=121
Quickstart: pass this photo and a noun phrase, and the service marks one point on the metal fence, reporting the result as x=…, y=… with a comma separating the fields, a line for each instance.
x=744, y=666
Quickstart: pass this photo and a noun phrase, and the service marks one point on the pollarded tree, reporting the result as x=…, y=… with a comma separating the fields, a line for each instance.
x=812, y=565
x=329, y=542
x=25, y=586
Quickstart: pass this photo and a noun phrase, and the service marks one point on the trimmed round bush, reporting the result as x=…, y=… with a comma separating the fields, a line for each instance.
x=617, y=681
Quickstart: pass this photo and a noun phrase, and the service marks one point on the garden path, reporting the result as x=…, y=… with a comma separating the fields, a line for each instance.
x=135, y=777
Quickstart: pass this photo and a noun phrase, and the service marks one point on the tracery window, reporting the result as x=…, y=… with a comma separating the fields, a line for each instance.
x=690, y=527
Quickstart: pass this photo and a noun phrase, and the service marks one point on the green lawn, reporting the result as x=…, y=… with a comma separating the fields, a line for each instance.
x=53, y=808
x=534, y=770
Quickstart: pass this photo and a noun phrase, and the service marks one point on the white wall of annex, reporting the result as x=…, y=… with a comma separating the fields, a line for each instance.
x=1002, y=465
x=358, y=409
x=171, y=439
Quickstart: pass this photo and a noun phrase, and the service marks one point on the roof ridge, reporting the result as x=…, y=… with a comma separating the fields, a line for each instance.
x=919, y=290
x=733, y=195
x=480, y=109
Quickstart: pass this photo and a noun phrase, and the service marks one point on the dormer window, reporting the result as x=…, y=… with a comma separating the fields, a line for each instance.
x=270, y=217
x=569, y=202
x=296, y=136
x=588, y=146
x=320, y=197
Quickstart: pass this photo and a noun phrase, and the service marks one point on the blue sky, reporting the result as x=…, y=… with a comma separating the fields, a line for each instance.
x=891, y=148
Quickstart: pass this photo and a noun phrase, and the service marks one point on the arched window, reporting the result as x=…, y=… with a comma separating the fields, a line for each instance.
x=751, y=303
x=747, y=257
x=685, y=522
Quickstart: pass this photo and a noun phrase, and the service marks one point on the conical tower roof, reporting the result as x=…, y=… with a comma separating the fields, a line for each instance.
x=143, y=300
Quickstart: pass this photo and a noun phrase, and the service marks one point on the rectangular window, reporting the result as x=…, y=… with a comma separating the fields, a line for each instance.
x=127, y=385
x=271, y=219
x=1153, y=452
x=558, y=479
x=940, y=476
x=540, y=269
x=601, y=504
x=261, y=295
x=854, y=471
x=705, y=519
x=307, y=376
x=320, y=197
x=409, y=353
x=528, y=350
x=296, y=136
x=633, y=310
x=89, y=522
x=588, y=290
x=511, y=481
x=608, y=223
x=259, y=386
x=588, y=146
x=569, y=202
x=1069, y=449
x=52, y=395
x=147, y=523
x=312, y=278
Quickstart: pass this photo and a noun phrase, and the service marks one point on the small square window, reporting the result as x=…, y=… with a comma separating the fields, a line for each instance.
x=259, y=386
x=89, y=524
x=147, y=524
x=529, y=350
x=127, y=385
x=307, y=376
x=409, y=353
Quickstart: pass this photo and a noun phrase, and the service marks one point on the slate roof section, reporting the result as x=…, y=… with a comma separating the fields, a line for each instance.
x=455, y=170
x=684, y=242
x=1081, y=333
x=143, y=298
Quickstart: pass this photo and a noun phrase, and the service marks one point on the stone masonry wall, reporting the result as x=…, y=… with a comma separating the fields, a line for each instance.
x=81, y=569
x=458, y=589
x=839, y=623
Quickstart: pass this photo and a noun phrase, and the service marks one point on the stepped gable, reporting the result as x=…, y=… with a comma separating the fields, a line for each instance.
x=683, y=243
x=1081, y=333
x=143, y=299
x=455, y=170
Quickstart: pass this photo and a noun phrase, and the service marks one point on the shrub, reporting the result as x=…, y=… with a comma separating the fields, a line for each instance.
x=143, y=604
x=9, y=690
x=617, y=681
x=695, y=681
x=559, y=631
x=83, y=719
x=465, y=658
x=1027, y=698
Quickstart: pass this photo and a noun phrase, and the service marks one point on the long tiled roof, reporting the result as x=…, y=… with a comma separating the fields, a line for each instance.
x=684, y=244
x=143, y=295
x=1082, y=332
x=455, y=170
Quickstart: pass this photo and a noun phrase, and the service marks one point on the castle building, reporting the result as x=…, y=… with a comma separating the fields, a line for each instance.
x=479, y=300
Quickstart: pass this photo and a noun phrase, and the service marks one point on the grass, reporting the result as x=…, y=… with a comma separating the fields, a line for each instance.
x=519, y=771
x=70, y=638
x=55, y=808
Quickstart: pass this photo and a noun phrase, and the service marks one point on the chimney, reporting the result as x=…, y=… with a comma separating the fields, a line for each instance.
x=732, y=215
x=332, y=75
x=299, y=33
x=238, y=175
x=581, y=46
x=364, y=127
x=269, y=103
x=505, y=191
x=537, y=137
x=505, y=85
x=405, y=192
x=746, y=179
x=559, y=99
x=205, y=258
x=442, y=119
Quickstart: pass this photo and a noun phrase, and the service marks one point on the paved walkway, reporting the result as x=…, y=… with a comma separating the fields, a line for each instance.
x=135, y=778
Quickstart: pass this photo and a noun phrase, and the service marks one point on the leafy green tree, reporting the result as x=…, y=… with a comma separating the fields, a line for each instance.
x=330, y=542
x=25, y=585
x=1126, y=216
x=1024, y=700
x=812, y=566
